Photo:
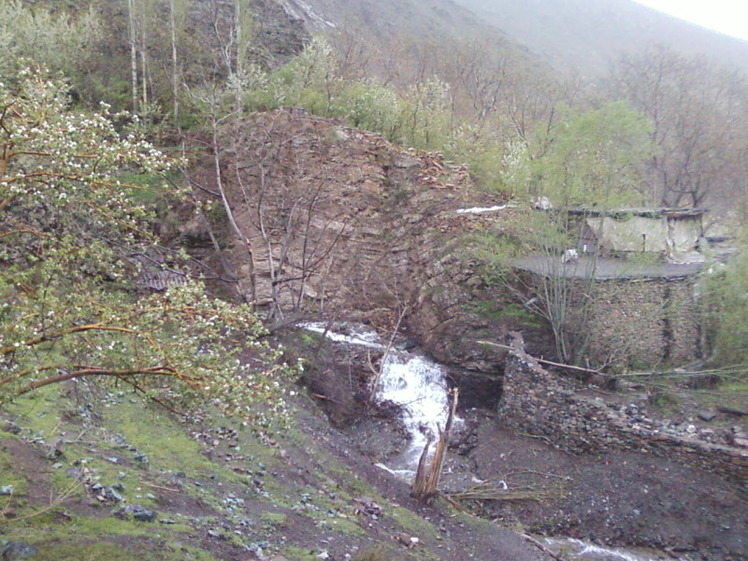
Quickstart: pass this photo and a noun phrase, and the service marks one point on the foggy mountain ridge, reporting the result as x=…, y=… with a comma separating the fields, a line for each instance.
x=581, y=35
x=590, y=34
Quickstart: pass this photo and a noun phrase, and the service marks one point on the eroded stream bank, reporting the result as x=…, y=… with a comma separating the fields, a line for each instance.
x=611, y=496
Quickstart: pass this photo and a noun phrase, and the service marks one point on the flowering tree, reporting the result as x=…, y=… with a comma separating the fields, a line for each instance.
x=68, y=224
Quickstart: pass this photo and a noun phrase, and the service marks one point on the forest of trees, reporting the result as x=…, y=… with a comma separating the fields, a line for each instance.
x=100, y=101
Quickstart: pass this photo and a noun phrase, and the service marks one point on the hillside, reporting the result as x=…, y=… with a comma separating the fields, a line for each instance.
x=237, y=303
x=587, y=35
x=427, y=19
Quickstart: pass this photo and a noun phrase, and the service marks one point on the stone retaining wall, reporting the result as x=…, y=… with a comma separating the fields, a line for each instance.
x=643, y=322
x=537, y=401
x=624, y=322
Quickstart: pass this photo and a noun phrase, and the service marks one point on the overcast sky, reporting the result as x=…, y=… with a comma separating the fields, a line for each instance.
x=726, y=16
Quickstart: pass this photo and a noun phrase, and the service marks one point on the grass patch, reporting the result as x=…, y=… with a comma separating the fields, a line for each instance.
x=273, y=519
x=343, y=526
x=413, y=524
x=9, y=477
x=375, y=553
x=154, y=433
x=39, y=411
x=60, y=549
x=505, y=312
x=301, y=553
x=111, y=525
x=96, y=539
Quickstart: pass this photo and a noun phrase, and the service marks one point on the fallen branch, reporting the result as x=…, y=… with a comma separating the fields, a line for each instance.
x=543, y=548
x=490, y=491
x=154, y=486
x=325, y=398
x=378, y=372
x=550, y=362
x=525, y=485
x=731, y=411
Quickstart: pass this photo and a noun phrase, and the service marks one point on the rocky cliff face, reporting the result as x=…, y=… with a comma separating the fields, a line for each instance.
x=280, y=34
x=340, y=223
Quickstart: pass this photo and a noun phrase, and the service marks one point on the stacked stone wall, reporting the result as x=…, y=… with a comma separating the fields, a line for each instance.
x=685, y=321
x=538, y=401
x=626, y=322
x=633, y=322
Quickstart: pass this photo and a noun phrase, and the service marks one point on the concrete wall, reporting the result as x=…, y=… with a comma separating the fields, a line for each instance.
x=656, y=234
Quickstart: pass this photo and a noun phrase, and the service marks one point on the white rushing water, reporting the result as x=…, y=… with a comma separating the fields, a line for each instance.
x=419, y=386
x=480, y=210
x=578, y=550
x=408, y=379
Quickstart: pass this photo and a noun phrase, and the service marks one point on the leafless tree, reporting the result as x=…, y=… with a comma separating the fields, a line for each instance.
x=699, y=112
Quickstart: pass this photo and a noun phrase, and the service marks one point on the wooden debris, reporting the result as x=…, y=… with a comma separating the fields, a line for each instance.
x=426, y=484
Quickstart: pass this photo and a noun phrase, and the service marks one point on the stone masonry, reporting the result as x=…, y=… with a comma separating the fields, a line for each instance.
x=539, y=402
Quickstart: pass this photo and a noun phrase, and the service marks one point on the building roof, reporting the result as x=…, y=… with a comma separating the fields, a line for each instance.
x=604, y=268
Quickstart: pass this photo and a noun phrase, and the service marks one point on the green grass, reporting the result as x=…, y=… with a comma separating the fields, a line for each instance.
x=8, y=476
x=505, y=312
x=413, y=524
x=39, y=411
x=98, y=549
x=273, y=519
x=301, y=554
x=156, y=434
x=97, y=538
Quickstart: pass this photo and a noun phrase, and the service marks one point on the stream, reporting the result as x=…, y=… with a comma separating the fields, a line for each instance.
x=419, y=386
x=408, y=379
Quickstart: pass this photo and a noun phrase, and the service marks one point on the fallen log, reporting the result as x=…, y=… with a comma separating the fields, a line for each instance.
x=731, y=411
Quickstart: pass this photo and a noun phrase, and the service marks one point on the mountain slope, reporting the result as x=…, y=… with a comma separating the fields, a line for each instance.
x=589, y=34
x=385, y=18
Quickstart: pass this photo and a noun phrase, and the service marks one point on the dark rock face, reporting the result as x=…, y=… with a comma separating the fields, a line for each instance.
x=279, y=34
x=343, y=395
x=477, y=390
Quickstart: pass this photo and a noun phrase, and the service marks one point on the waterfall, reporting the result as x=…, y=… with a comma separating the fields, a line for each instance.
x=419, y=386
x=408, y=379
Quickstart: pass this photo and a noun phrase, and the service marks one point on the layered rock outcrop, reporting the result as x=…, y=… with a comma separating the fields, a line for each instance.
x=341, y=223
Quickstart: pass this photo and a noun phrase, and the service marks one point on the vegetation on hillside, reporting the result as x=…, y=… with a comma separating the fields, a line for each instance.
x=668, y=131
x=70, y=238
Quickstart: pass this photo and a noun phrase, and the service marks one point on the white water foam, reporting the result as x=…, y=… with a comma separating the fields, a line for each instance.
x=578, y=550
x=480, y=210
x=346, y=333
x=408, y=379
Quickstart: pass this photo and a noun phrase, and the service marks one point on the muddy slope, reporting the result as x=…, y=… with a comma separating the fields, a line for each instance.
x=89, y=473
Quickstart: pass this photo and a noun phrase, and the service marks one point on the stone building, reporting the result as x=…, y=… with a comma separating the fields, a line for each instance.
x=626, y=292
x=670, y=233
x=629, y=315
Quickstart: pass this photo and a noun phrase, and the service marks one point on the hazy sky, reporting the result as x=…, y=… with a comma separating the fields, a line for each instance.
x=726, y=16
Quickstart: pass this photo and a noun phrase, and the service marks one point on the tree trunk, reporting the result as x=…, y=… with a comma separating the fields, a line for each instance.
x=174, y=60
x=425, y=486
x=133, y=54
